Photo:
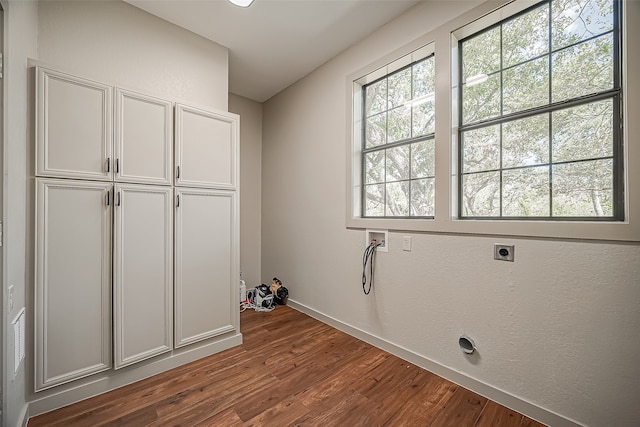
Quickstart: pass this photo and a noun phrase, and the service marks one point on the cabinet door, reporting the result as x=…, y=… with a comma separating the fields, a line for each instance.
x=206, y=264
x=143, y=272
x=144, y=131
x=206, y=148
x=73, y=280
x=74, y=127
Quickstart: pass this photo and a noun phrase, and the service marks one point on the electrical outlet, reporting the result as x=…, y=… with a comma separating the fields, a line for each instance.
x=503, y=252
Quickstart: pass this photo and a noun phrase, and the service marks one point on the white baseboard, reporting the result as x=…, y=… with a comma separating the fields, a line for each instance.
x=500, y=396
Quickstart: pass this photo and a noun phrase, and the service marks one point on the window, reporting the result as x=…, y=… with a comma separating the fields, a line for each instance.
x=532, y=137
x=398, y=117
x=539, y=115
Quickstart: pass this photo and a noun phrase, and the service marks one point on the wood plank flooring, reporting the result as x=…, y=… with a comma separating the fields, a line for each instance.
x=291, y=370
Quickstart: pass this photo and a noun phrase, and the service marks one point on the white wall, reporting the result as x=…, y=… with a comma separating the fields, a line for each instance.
x=20, y=43
x=557, y=329
x=250, y=186
x=122, y=45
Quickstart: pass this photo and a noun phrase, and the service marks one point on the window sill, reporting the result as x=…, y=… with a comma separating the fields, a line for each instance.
x=575, y=230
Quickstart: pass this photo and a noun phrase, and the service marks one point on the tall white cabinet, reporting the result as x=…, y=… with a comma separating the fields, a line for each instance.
x=73, y=280
x=143, y=272
x=205, y=264
x=137, y=255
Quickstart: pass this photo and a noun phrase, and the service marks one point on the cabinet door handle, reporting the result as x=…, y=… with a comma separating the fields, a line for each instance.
x=178, y=172
x=108, y=164
x=109, y=197
x=117, y=165
x=178, y=201
x=118, y=203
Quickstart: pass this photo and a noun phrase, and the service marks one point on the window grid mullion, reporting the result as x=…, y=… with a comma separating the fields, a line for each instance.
x=363, y=157
x=386, y=140
x=550, y=114
x=501, y=114
x=582, y=100
x=460, y=134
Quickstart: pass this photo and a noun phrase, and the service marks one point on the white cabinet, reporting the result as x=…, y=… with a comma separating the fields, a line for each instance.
x=73, y=280
x=206, y=264
x=143, y=139
x=130, y=263
x=143, y=272
x=75, y=132
x=74, y=127
x=206, y=148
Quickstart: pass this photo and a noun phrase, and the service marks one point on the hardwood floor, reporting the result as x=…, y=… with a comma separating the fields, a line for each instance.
x=290, y=370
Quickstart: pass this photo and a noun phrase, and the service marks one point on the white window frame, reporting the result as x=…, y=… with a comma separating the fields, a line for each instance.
x=444, y=42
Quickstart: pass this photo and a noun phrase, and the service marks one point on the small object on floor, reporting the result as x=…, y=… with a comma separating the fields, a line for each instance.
x=265, y=298
x=259, y=299
x=280, y=293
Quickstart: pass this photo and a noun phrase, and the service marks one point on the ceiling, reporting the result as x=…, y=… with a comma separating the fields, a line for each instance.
x=274, y=43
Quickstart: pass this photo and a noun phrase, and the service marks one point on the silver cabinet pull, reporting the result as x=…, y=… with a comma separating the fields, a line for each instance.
x=108, y=164
x=178, y=172
x=118, y=203
x=178, y=204
x=117, y=165
x=109, y=197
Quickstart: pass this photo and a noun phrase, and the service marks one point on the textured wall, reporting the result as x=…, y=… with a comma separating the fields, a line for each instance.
x=557, y=328
x=122, y=45
x=250, y=186
x=20, y=43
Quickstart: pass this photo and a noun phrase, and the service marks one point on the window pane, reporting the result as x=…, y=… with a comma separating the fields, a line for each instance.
x=481, y=194
x=576, y=20
x=376, y=133
x=423, y=159
x=398, y=163
x=376, y=98
x=583, y=189
x=525, y=37
x=481, y=54
x=399, y=124
x=583, y=132
x=398, y=111
x=374, y=167
x=525, y=142
x=481, y=100
x=526, y=86
x=481, y=149
x=374, y=200
x=424, y=118
x=553, y=60
x=423, y=197
x=398, y=199
x=583, y=69
x=424, y=78
x=399, y=88
x=526, y=192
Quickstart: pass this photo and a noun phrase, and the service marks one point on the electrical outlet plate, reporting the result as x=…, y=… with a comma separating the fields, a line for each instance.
x=406, y=243
x=503, y=252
